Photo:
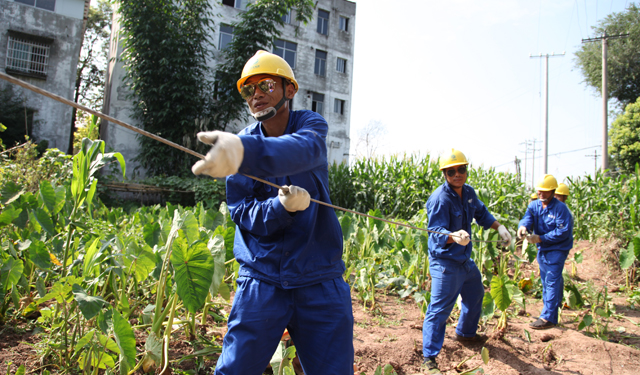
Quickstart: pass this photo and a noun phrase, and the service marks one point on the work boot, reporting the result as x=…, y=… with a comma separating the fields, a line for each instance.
x=470, y=340
x=431, y=366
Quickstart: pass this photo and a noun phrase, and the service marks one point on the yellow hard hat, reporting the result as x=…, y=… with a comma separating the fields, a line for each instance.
x=452, y=160
x=562, y=189
x=534, y=195
x=547, y=183
x=264, y=62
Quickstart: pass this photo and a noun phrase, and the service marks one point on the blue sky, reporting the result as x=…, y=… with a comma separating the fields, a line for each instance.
x=457, y=74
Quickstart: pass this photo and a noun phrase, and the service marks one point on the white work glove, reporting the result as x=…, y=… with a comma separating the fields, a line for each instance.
x=297, y=199
x=225, y=156
x=461, y=237
x=522, y=232
x=534, y=238
x=505, y=235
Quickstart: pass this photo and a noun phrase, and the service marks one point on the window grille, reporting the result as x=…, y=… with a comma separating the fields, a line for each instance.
x=27, y=56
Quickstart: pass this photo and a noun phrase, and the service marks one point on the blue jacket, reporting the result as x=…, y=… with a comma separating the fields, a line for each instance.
x=447, y=214
x=553, y=224
x=286, y=249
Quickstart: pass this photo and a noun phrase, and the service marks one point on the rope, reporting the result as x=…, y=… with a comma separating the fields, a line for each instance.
x=191, y=152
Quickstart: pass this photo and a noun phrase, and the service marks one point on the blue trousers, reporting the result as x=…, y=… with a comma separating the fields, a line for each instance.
x=318, y=317
x=447, y=282
x=551, y=265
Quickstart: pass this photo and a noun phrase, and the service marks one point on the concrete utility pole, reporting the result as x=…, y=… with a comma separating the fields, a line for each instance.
x=546, y=103
x=605, y=95
x=533, y=162
x=595, y=162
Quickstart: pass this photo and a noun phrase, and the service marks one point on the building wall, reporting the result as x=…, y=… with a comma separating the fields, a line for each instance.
x=334, y=85
x=65, y=31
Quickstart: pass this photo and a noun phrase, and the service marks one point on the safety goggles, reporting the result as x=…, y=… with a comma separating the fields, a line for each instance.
x=266, y=85
x=461, y=169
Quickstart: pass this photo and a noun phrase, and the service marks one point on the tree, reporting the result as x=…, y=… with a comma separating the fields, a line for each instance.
x=165, y=53
x=369, y=139
x=623, y=62
x=256, y=30
x=625, y=138
x=90, y=74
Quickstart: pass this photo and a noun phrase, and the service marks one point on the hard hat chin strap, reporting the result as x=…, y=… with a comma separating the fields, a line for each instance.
x=272, y=111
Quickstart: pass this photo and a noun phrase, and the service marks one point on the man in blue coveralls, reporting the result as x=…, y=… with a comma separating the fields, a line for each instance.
x=552, y=225
x=290, y=252
x=451, y=209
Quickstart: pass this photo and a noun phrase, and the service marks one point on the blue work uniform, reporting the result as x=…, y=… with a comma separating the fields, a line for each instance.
x=290, y=263
x=453, y=272
x=554, y=225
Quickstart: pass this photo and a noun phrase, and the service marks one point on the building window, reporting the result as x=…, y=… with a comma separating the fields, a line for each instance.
x=323, y=22
x=344, y=24
x=338, y=106
x=286, y=18
x=42, y=4
x=226, y=36
x=240, y=4
x=321, y=63
x=341, y=65
x=317, y=103
x=286, y=50
x=27, y=56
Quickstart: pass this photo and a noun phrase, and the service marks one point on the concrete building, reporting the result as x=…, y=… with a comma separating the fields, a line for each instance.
x=40, y=42
x=321, y=55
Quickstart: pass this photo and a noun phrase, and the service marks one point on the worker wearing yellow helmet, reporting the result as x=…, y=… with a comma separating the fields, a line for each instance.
x=562, y=193
x=552, y=226
x=289, y=250
x=451, y=209
x=533, y=197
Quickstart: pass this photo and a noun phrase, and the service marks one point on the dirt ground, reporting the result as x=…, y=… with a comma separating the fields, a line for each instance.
x=392, y=334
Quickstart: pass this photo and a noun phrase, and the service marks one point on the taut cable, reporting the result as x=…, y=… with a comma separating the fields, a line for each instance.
x=40, y=91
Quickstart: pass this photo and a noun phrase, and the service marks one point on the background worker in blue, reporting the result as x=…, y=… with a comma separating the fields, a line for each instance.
x=451, y=209
x=290, y=251
x=552, y=225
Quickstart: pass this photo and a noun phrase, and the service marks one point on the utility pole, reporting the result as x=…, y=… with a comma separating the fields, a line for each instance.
x=605, y=95
x=517, y=162
x=526, y=154
x=595, y=162
x=546, y=103
x=533, y=163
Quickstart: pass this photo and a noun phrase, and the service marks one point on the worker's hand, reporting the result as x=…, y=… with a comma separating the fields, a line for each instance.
x=297, y=199
x=534, y=238
x=461, y=237
x=505, y=235
x=225, y=156
x=522, y=232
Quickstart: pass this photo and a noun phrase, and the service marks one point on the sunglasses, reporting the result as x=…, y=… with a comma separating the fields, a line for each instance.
x=266, y=85
x=452, y=172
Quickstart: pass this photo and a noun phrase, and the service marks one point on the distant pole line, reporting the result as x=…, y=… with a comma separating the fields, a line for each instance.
x=546, y=103
x=605, y=94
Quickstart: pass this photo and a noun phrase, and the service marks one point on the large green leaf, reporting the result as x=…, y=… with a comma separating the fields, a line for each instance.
x=627, y=256
x=90, y=306
x=229, y=235
x=44, y=220
x=8, y=215
x=500, y=292
x=190, y=227
x=40, y=255
x=126, y=340
x=140, y=260
x=48, y=196
x=151, y=234
x=10, y=273
x=218, y=252
x=10, y=192
x=194, y=267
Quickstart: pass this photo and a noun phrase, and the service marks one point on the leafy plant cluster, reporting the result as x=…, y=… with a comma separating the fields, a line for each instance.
x=86, y=270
